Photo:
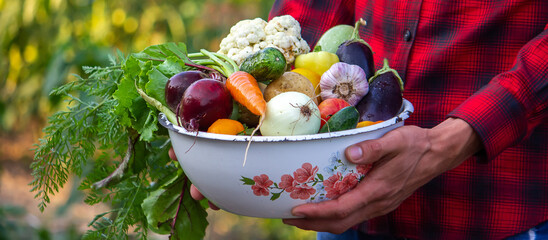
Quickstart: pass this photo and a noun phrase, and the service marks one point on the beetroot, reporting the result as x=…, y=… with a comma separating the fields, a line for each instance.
x=176, y=86
x=203, y=102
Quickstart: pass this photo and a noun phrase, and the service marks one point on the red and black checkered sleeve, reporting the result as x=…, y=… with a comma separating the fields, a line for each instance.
x=315, y=16
x=507, y=110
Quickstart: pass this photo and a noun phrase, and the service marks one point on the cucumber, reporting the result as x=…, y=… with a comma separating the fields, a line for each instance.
x=344, y=119
x=265, y=65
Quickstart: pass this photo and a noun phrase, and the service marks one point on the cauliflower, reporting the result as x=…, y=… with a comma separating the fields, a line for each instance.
x=251, y=35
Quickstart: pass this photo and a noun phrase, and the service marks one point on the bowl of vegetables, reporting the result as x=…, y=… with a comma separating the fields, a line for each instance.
x=259, y=126
x=280, y=172
x=263, y=135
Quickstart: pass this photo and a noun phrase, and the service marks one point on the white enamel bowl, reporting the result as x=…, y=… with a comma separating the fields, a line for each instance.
x=280, y=172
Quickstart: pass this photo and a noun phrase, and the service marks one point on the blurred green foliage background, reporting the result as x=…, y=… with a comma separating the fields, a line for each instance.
x=43, y=42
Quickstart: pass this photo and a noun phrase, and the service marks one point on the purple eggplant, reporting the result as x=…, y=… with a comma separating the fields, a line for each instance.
x=384, y=99
x=357, y=52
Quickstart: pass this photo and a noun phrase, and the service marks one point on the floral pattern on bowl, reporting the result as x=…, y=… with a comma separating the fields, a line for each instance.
x=308, y=184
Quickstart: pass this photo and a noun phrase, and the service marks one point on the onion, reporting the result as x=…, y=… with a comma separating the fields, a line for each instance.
x=291, y=113
x=344, y=81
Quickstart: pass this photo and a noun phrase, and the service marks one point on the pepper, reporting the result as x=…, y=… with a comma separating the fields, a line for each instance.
x=319, y=62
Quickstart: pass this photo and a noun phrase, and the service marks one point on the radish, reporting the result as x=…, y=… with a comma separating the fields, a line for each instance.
x=291, y=113
x=203, y=102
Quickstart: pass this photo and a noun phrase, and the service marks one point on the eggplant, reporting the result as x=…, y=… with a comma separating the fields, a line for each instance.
x=357, y=52
x=384, y=99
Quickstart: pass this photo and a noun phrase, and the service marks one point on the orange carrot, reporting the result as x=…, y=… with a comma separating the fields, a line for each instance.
x=244, y=89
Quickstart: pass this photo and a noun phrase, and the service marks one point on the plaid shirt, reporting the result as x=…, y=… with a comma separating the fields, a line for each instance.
x=480, y=60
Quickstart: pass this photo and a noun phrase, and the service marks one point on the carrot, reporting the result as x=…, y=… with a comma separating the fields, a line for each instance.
x=244, y=89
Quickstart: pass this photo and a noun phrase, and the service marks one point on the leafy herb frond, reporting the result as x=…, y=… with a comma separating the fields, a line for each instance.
x=104, y=110
x=69, y=142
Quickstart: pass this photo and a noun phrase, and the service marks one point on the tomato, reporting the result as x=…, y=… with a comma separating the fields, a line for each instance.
x=226, y=126
x=330, y=106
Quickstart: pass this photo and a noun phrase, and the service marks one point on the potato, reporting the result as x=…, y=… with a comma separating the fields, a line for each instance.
x=290, y=82
x=247, y=117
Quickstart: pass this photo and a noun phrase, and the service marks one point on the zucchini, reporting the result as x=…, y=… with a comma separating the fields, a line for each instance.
x=344, y=119
x=265, y=65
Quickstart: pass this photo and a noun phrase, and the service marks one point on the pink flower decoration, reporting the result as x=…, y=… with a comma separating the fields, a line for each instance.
x=329, y=185
x=303, y=191
x=363, y=169
x=299, y=184
x=287, y=183
x=336, y=185
x=262, y=183
x=306, y=173
x=349, y=182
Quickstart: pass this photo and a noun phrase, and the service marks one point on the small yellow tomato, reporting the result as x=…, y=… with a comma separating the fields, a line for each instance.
x=226, y=126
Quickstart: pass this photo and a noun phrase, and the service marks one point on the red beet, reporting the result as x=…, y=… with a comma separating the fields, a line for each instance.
x=176, y=86
x=204, y=101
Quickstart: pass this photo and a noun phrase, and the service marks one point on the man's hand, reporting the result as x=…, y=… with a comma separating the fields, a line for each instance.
x=403, y=160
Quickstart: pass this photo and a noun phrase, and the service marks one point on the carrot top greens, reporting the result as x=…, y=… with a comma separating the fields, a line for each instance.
x=109, y=137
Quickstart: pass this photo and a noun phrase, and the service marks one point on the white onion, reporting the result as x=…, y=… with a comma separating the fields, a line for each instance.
x=291, y=113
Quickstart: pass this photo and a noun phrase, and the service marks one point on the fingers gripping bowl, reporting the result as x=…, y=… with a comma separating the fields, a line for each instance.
x=280, y=172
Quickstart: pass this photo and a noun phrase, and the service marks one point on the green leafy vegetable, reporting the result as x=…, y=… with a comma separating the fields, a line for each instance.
x=111, y=127
x=165, y=202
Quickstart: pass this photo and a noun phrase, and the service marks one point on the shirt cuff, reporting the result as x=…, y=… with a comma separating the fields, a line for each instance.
x=497, y=116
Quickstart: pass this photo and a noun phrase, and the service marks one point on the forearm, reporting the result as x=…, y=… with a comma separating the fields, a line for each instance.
x=451, y=143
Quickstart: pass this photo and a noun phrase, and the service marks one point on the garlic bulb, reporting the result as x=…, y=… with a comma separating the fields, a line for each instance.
x=344, y=81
